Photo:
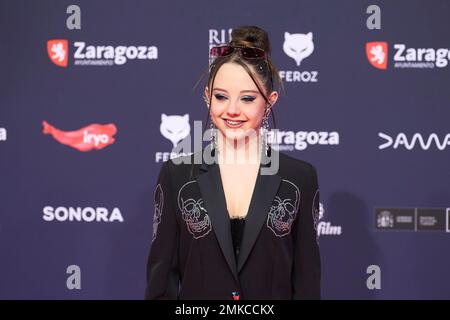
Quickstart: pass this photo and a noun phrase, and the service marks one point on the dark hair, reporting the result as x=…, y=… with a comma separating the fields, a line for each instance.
x=248, y=36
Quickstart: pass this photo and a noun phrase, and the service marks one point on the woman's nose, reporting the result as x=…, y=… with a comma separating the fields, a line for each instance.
x=233, y=108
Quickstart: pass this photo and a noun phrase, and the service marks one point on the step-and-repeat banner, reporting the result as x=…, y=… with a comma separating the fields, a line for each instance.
x=94, y=96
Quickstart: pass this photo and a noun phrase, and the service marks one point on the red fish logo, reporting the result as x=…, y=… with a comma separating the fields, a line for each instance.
x=93, y=136
x=377, y=54
x=58, y=51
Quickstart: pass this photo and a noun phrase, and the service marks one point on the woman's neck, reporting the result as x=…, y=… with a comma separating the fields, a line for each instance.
x=246, y=151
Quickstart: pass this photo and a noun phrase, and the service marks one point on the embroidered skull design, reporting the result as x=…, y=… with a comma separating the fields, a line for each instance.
x=316, y=212
x=284, y=209
x=316, y=209
x=193, y=212
x=158, y=209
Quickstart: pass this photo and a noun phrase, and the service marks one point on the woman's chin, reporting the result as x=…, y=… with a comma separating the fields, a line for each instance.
x=239, y=134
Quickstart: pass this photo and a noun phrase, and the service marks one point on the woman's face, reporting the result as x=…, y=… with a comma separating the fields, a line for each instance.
x=237, y=107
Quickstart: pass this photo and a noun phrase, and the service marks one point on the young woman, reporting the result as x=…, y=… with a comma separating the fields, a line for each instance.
x=224, y=229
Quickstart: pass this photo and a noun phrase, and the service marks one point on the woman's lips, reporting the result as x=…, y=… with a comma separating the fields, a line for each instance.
x=234, y=123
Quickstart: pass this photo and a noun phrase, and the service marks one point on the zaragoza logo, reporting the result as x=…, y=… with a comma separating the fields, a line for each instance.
x=58, y=51
x=94, y=136
x=377, y=54
x=97, y=55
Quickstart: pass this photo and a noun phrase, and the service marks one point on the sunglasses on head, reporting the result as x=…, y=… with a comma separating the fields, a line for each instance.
x=246, y=52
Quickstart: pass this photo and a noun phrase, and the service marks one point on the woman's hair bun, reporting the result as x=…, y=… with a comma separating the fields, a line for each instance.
x=250, y=36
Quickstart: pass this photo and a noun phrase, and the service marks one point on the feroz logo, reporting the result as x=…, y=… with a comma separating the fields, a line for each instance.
x=94, y=136
x=174, y=128
x=298, y=46
x=58, y=51
x=377, y=54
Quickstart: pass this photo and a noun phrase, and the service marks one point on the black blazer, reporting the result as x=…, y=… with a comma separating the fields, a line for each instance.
x=192, y=255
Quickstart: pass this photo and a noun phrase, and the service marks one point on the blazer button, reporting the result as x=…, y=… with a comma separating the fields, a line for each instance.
x=235, y=295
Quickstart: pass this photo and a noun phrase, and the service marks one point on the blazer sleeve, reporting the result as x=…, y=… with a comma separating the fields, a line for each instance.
x=162, y=264
x=307, y=265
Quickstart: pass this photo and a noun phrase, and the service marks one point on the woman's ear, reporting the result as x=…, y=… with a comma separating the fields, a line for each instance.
x=273, y=98
x=206, y=96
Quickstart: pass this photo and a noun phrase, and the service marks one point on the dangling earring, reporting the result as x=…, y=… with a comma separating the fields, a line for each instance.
x=213, y=130
x=264, y=131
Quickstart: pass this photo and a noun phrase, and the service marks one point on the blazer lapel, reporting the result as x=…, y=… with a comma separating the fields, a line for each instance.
x=266, y=188
x=211, y=188
x=210, y=185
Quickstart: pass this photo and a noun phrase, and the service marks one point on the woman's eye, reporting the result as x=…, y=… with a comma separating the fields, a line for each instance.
x=220, y=97
x=248, y=99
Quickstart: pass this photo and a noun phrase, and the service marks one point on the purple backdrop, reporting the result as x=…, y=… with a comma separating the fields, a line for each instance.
x=378, y=137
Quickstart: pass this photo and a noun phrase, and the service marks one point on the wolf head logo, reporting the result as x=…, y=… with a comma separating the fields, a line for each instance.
x=175, y=128
x=298, y=46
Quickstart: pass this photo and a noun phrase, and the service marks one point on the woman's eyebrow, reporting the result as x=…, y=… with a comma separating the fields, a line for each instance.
x=219, y=89
x=242, y=91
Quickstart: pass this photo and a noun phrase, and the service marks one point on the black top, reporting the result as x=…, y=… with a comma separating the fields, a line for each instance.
x=237, y=231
